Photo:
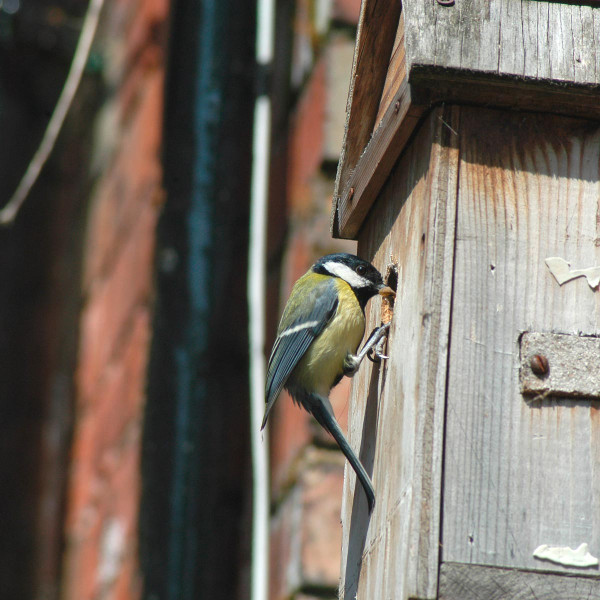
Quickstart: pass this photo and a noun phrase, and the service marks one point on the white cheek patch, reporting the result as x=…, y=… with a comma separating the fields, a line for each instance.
x=298, y=328
x=344, y=272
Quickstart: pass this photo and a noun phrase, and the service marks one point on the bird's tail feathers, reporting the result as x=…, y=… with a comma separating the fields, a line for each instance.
x=326, y=419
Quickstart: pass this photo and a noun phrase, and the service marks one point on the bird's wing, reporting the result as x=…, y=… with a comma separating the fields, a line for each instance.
x=295, y=335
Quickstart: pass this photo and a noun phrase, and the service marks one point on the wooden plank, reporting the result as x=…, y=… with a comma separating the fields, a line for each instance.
x=395, y=554
x=374, y=42
x=537, y=40
x=519, y=474
x=365, y=181
x=473, y=582
x=500, y=53
x=572, y=366
x=470, y=87
x=395, y=75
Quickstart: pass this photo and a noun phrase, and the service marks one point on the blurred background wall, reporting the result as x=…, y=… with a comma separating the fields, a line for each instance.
x=124, y=456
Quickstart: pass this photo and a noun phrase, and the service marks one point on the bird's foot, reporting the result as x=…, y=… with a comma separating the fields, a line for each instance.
x=373, y=348
x=376, y=354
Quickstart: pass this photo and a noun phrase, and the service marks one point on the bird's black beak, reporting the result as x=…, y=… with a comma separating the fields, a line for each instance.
x=386, y=291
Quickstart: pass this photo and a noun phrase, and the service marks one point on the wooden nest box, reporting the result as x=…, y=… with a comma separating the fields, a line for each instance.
x=471, y=169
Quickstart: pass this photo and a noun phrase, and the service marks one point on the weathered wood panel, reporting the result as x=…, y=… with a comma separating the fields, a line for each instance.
x=396, y=72
x=374, y=44
x=571, y=362
x=532, y=39
x=397, y=411
x=518, y=473
x=374, y=166
x=532, y=55
x=473, y=582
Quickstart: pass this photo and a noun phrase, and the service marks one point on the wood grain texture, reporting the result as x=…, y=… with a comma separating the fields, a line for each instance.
x=374, y=43
x=396, y=72
x=531, y=39
x=573, y=366
x=474, y=582
x=373, y=168
x=519, y=474
x=528, y=55
x=396, y=414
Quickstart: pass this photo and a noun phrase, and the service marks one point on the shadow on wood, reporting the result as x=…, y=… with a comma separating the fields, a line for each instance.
x=360, y=518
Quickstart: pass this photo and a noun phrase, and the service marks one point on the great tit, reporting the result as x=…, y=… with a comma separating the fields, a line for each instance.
x=321, y=327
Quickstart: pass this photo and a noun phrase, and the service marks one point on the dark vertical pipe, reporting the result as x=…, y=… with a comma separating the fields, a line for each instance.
x=195, y=452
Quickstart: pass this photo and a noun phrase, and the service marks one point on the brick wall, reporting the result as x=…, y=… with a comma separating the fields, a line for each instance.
x=103, y=492
x=111, y=326
x=307, y=469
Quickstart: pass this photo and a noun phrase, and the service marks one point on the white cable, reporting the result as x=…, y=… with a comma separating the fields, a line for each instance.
x=256, y=308
x=82, y=51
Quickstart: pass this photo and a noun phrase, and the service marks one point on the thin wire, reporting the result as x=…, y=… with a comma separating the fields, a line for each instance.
x=80, y=58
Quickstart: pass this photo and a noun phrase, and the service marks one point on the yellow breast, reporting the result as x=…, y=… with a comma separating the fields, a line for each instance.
x=324, y=360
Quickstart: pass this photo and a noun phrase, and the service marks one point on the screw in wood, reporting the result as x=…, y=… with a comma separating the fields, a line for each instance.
x=539, y=365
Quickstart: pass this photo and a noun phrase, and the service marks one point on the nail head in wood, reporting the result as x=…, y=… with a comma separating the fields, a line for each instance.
x=539, y=365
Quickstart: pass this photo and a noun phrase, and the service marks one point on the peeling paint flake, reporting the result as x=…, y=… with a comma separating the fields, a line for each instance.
x=561, y=269
x=563, y=555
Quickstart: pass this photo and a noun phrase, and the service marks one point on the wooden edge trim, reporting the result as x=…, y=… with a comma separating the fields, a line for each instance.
x=375, y=37
x=431, y=87
x=507, y=92
x=375, y=164
x=459, y=581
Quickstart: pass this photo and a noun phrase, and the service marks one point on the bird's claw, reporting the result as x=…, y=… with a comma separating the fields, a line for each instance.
x=376, y=354
x=373, y=349
x=379, y=348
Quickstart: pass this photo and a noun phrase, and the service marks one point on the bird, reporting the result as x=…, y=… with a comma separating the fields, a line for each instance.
x=318, y=336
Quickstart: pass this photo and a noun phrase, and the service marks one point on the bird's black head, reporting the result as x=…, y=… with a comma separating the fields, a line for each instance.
x=364, y=279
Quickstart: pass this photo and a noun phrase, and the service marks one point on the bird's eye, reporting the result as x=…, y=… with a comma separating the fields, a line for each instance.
x=361, y=269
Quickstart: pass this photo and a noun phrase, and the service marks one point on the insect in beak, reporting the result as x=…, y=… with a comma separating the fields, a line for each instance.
x=387, y=291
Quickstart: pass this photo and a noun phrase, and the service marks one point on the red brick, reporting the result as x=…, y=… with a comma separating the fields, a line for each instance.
x=338, y=55
x=81, y=565
x=132, y=182
x=104, y=485
x=119, y=398
x=149, y=14
x=306, y=140
x=290, y=434
x=111, y=308
x=347, y=11
x=113, y=501
x=128, y=585
x=293, y=429
x=321, y=527
x=303, y=48
x=84, y=486
x=124, y=481
x=284, y=562
x=132, y=27
x=306, y=533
